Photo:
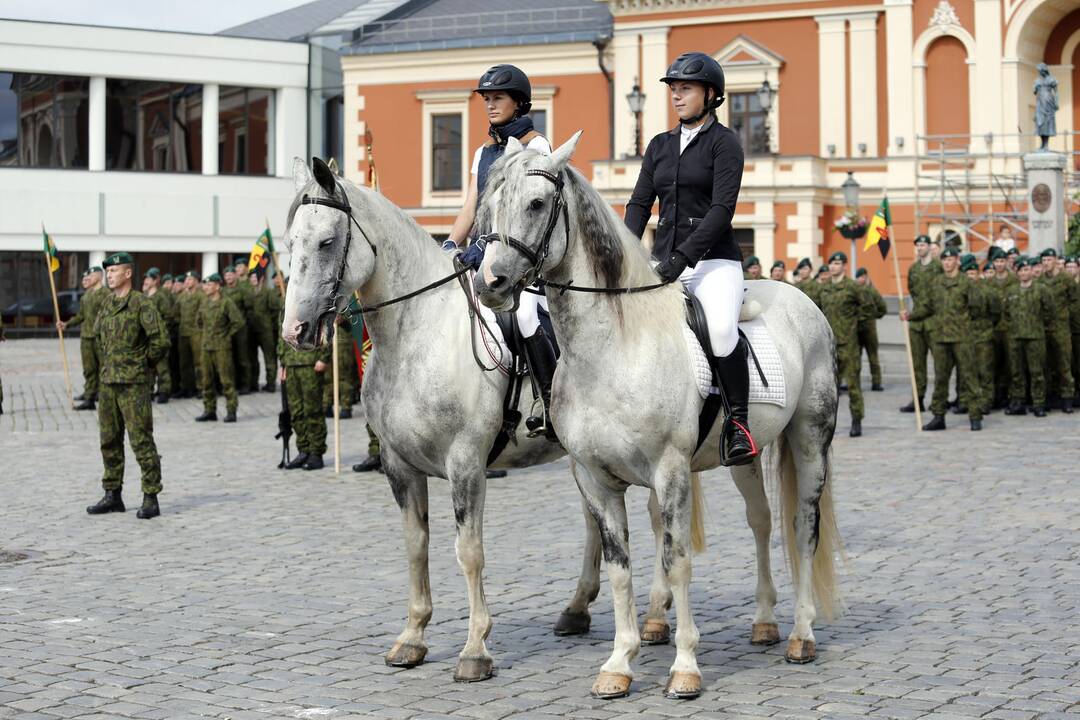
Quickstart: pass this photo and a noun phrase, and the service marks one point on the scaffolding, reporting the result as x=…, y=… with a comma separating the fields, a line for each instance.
x=971, y=185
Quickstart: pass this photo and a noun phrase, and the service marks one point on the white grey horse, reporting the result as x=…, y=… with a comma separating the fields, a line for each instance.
x=435, y=412
x=626, y=404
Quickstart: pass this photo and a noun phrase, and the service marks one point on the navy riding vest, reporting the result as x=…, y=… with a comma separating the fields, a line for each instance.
x=518, y=127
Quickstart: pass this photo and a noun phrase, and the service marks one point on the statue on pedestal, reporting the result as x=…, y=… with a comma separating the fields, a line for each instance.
x=1046, y=105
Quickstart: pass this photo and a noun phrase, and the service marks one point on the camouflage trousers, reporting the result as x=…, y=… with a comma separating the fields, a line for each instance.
x=983, y=373
x=241, y=359
x=868, y=341
x=958, y=356
x=217, y=367
x=1026, y=359
x=304, y=388
x=1002, y=374
x=163, y=375
x=373, y=442
x=1059, y=360
x=347, y=376
x=91, y=366
x=849, y=368
x=190, y=359
x=174, y=359
x=1075, y=360
x=263, y=339
x=921, y=345
x=128, y=407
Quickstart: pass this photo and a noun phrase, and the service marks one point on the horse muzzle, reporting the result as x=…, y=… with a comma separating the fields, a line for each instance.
x=496, y=293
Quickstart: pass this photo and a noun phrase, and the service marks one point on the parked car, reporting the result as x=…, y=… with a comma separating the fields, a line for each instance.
x=39, y=311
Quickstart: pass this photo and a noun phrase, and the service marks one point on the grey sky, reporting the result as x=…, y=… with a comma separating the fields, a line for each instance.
x=204, y=16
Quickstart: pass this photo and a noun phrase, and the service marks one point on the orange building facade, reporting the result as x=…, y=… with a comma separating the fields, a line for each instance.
x=921, y=100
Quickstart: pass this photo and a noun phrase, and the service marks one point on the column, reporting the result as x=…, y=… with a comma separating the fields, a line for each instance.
x=832, y=84
x=864, y=83
x=210, y=94
x=290, y=128
x=96, y=124
x=625, y=69
x=209, y=263
x=654, y=63
x=96, y=258
x=898, y=73
x=986, y=98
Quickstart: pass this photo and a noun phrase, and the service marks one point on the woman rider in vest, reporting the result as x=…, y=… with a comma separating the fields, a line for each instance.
x=507, y=96
x=696, y=170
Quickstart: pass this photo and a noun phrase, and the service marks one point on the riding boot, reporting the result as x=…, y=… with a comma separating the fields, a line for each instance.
x=541, y=358
x=737, y=446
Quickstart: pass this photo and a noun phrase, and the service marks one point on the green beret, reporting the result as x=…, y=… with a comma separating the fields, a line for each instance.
x=96, y=268
x=778, y=264
x=995, y=253
x=950, y=251
x=166, y=277
x=1029, y=261
x=971, y=264
x=1071, y=260
x=120, y=258
x=922, y=240
x=838, y=255
x=213, y=278
x=153, y=272
x=805, y=262
x=240, y=261
x=750, y=262
x=1012, y=251
x=823, y=269
x=860, y=272
x=191, y=273
x=1048, y=252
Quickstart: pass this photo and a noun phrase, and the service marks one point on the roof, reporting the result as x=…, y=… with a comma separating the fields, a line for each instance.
x=446, y=24
x=321, y=17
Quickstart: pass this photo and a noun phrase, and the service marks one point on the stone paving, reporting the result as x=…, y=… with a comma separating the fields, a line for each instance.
x=265, y=594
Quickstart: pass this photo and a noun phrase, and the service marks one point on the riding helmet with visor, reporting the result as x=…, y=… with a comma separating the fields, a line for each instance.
x=698, y=67
x=509, y=79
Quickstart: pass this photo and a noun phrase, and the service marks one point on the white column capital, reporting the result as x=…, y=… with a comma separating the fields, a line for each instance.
x=909, y=3
x=863, y=22
x=830, y=23
x=654, y=35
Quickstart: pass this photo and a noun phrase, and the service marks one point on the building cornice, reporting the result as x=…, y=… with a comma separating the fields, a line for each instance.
x=625, y=8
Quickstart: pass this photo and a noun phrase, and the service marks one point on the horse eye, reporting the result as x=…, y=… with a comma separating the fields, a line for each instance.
x=536, y=204
x=326, y=242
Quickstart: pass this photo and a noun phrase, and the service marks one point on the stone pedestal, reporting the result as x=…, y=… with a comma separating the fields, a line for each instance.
x=1047, y=224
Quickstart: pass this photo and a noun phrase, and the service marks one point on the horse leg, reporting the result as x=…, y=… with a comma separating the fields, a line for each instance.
x=605, y=497
x=469, y=490
x=749, y=480
x=655, y=630
x=575, y=619
x=411, y=494
x=673, y=492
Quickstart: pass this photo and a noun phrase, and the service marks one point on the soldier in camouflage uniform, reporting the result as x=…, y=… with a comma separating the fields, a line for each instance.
x=191, y=302
x=1000, y=283
x=240, y=295
x=1058, y=331
x=133, y=339
x=266, y=304
x=89, y=307
x=347, y=375
x=841, y=301
x=778, y=271
x=751, y=268
x=1028, y=310
x=920, y=333
x=952, y=300
x=175, y=286
x=219, y=320
x=873, y=310
x=240, y=267
x=982, y=334
x=1072, y=270
x=304, y=373
x=164, y=303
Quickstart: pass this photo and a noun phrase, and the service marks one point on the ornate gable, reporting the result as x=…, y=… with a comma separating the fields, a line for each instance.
x=744, y=52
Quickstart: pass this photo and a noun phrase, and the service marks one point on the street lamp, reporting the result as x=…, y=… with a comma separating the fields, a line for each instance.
x=765, y=95
x=851, y=199
x=636, y=99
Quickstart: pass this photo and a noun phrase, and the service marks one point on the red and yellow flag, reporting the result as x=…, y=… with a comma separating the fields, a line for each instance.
x=878, y=233
x=261, y=253
x=50, y=251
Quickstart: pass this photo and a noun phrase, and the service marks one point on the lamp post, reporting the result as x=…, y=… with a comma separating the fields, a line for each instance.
x=851, y=199
x=765, y=95
x=636, y=99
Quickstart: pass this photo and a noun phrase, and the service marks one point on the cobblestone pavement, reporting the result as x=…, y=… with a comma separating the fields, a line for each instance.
x=264, y=594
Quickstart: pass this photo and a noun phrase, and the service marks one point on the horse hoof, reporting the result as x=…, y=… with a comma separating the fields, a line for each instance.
x=655, y=632
x=474, y=669
x=764, y=634
x=406, y=655
x=572, y=624
x=683, y=686
x=800, y=652
x=611, y=686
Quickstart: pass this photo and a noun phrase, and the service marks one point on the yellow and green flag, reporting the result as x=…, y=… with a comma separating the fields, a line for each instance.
x=878, y=233
x=50, y=250
x=261, y=253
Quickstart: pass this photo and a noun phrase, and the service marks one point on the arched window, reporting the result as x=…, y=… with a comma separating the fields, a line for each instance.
x=947, y=92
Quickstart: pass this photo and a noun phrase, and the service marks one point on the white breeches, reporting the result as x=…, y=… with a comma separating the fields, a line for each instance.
x=528, y=316
x=718, y=284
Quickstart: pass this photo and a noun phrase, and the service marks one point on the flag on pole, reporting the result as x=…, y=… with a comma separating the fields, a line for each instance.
x=261, y=253
x=50, y=250
x=878, y=233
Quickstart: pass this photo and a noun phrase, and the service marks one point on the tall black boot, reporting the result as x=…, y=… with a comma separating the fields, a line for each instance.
x=541, y=358
x=737, y=447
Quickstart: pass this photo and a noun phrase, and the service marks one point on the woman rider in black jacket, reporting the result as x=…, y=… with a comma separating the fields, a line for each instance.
x=696, y=171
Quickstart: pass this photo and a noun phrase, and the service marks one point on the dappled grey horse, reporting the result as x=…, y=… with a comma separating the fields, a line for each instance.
x=625, y=402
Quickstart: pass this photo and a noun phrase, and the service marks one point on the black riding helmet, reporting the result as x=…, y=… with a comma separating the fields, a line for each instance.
x=698, y=67
x=510, y=79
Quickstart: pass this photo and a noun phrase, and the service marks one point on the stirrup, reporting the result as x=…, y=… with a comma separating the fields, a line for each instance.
x=536, y=424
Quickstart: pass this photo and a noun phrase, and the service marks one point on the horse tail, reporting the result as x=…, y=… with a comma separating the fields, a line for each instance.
x=697, y=514
x=826, y=590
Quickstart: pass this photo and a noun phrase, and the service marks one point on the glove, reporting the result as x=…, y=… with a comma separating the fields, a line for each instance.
x=474, y=254
x=670, y=269
x=450, y=246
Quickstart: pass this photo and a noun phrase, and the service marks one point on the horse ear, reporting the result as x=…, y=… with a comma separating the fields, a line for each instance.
x=323, y=175
x=561, y=157
x=300, y=173
x=513, y=146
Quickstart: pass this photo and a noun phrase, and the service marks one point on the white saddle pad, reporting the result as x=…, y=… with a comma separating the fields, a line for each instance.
x=767, y=354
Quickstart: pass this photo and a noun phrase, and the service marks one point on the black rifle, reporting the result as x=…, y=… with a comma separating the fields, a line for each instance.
x=284, y=424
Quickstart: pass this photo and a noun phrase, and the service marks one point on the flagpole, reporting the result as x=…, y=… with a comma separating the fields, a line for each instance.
x=337, y=403
x=277, y=265
x=907, y=335
x=59, y=332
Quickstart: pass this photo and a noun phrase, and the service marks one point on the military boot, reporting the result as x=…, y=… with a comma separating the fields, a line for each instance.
x=371, y=464
x=207, y=417
x=1016, y=409
x=162, y=398
x=1067, y=406
x=230, y=416
x=856, y=428
x=976, y=425
x=297, y=462
x=149, y=507
x=111, y=502
x=910, y=407
x=345, y=414
x=313, y=462
x=1039, y=411
x=937, y=423
x=87, y=404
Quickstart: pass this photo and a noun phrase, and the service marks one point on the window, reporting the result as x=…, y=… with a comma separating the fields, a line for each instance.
x=747, y=119
x=244, y=122
x=43, y=120
x=446, y=153
x=539, y=118
x=152, y=125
